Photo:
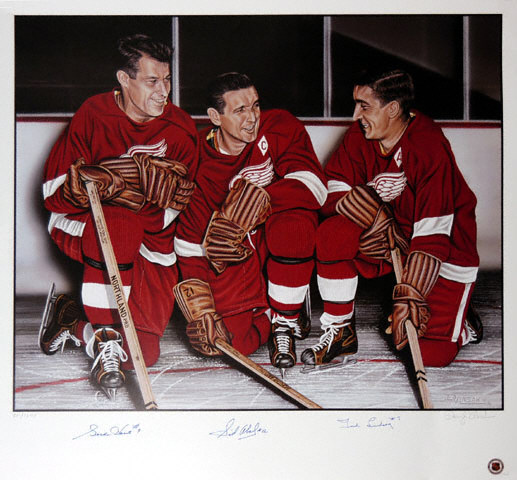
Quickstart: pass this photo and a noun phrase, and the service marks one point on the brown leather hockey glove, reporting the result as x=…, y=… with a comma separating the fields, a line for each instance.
x=246, y=207
x=382, y=234
x=409, y=296
x=204, y=324
x=162, y=181
x=109, y=184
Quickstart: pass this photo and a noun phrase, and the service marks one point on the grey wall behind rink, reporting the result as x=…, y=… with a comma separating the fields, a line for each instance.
x=38, y=262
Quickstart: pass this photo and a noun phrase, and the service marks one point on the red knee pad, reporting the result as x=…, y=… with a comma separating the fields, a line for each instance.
x=291, y=233
x=150, y=346
x=438, y=353
x=125, y=230
x=337, y=239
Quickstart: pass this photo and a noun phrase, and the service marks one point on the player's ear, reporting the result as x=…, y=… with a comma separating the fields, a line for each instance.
x=394, y=109
x=214, y=116
x=122, y=78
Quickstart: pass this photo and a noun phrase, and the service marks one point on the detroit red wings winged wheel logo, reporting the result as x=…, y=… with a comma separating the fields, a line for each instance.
x=261, y=175
x=389, y=185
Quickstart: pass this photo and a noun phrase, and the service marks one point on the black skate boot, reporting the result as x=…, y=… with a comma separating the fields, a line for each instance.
x=59, y=323
x=473, y=326
x=338, y=340
x=105, y=347
x=281, y=343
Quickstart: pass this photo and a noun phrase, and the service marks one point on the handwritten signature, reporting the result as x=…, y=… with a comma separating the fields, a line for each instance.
x=373, y=422
x=240, y=432
x=464, y=417
x=114, y=431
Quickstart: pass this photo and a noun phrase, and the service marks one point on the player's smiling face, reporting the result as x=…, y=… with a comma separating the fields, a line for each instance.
x=240, y=120
x=145, y=96
x=373, y=117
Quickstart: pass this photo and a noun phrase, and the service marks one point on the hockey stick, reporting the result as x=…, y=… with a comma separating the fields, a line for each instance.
x=263, y=373
x=412, y=336
x=120, y=298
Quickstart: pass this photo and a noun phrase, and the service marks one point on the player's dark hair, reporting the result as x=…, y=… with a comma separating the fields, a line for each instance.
x=389, y=86
x=223, y=83
x=133, y=47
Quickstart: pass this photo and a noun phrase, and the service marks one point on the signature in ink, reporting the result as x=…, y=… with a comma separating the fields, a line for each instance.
x=347, y=423
x=114, y=431
x=240, y=432
x=373, y=422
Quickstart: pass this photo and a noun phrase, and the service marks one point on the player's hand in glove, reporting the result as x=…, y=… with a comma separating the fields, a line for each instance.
x=246, y=207
x=381, y=233
x=409, y=296
x=109, y=184
x=204, y=325
x=163, y=181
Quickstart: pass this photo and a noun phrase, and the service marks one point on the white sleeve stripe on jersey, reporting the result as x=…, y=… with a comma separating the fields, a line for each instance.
x=312, y=182
x=188, y=249
x=337, y=290
x=165, y=259
x=50, y=187
x=457, y=273
x=71, y=227
x=433, y=226
x=338, y=186
x=169, y=217
x=100, y=295
x=289, y=295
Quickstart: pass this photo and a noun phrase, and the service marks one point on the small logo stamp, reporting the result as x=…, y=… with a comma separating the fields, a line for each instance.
x=495, y=466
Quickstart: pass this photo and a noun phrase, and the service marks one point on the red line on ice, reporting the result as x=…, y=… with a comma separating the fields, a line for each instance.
x=205, y=369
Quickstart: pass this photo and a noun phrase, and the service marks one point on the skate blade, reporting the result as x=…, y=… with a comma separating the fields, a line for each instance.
x=339, y=362
x=47, y=312
x=111, y=393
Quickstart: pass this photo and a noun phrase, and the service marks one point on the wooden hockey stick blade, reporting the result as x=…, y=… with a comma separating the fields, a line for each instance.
x=263, y=373
x=414, y=346
x=120, y=298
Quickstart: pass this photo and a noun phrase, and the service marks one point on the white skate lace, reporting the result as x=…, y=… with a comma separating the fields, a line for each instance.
x=283, y=341
x=286, y=324
x=110, y=354
x=61, y=339
x=330, y=326
x=471, y=334
x=327, y=338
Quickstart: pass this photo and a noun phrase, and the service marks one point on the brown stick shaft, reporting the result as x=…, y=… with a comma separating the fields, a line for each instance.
x=263, y=373
x=120, y=298
x=414, y=346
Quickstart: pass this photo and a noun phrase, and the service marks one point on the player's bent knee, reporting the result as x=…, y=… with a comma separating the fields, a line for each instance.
x=150, y=346
x=437, y=353
x=337, y=238
x=291, y=233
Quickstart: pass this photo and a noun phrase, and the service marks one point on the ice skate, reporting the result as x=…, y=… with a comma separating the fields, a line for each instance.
x=303, y=324
x=59, y=323
x=106, y=349
x=337, y=343
x=281, y=343
x=473, y=326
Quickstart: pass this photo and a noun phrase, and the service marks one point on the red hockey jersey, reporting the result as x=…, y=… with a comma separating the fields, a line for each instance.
x=100, y=130
x=420, y=179
x=281, y=160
